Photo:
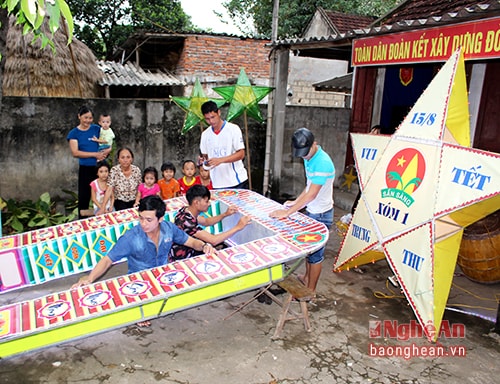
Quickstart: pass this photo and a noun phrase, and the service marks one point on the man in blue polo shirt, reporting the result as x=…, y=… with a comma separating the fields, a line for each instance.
x=146, y=245
x=317, y=196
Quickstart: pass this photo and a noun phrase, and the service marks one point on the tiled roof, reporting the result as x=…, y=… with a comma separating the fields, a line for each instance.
x=478, y=10
x=337, y=84
x=129, y=75
x=345, y=22
x=424, y=9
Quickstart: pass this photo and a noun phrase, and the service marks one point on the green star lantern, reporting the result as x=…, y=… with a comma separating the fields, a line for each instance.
x=243, y=97
x=192, y=106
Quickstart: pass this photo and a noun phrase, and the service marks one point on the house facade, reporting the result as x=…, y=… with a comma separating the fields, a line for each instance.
x=213, y=59
x=396, y=57
x=307, y=72
x=175, y=61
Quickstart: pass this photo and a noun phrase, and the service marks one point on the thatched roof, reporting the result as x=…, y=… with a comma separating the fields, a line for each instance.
x=30, y=71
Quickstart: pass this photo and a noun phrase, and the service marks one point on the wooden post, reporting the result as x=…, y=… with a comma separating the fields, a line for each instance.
x=278, y=122
x=247, y=150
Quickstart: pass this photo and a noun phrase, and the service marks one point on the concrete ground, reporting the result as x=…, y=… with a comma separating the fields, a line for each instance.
x=197, y=346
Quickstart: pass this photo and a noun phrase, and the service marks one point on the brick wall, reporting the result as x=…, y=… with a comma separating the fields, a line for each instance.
x=216, y=59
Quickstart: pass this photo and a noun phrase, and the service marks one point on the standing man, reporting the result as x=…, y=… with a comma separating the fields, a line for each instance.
x=317, y=196
x=222, y=150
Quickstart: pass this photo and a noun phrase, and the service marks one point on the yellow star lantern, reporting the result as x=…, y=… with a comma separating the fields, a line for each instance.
x=192, y=106
x=420, y=188
x=350, y=178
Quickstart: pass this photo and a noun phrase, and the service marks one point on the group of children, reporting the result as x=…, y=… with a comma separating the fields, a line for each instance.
x=167, y=187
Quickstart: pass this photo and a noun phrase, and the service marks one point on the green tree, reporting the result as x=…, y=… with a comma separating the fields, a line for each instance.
x=294, y=15
x=103, y=25
x=31, y=14
x=163, y=15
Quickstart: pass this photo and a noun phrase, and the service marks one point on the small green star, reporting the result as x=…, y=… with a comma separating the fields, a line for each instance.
x=192, y=105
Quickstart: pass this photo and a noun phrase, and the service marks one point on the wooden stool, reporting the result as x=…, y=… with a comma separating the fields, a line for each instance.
x=295, y=291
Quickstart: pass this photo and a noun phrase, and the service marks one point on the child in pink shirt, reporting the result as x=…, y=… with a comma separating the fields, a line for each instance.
x=149, y=185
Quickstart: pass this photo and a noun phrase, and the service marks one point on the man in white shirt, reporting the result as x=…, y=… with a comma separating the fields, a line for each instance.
x=222, y=150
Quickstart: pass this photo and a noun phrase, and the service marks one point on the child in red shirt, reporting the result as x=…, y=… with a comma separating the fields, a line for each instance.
x=189, y=179
x=204, y=177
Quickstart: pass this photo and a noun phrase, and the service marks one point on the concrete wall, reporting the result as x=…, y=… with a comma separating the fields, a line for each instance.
x=35, y=156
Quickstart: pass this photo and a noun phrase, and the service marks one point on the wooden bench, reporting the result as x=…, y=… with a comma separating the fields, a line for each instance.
x=295, y=292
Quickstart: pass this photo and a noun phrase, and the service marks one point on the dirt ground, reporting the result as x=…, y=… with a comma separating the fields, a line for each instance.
x=197, y=346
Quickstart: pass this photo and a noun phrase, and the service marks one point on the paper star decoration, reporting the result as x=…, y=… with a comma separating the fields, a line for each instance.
x=192, y=105
x=243, y=97
x=350, y=178
x=420, y=188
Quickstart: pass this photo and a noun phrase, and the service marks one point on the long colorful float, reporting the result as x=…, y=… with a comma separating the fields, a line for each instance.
x=256, y=257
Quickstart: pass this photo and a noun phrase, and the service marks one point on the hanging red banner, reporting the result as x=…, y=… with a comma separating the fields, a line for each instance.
x=479, y=39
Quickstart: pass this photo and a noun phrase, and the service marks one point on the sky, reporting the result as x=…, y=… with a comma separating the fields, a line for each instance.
x=202, y=15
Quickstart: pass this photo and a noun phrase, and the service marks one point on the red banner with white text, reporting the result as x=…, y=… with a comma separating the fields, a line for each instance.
x=479, y=40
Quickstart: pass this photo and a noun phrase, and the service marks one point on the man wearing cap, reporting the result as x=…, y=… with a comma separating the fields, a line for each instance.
x=317, y=196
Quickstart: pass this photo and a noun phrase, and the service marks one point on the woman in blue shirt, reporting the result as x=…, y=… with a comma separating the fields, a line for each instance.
x=84, y=146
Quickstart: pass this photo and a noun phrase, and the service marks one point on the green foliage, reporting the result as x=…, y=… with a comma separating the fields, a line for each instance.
x=71, y=203
x=32, y=13
x=102, y=24
x=162, y=15
x=105, y=24
x=294, y=15
x=20, y=216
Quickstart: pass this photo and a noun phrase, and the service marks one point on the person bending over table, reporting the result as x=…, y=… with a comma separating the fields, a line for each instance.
x=316, y=197
x=146, y=245
x=188, y=218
